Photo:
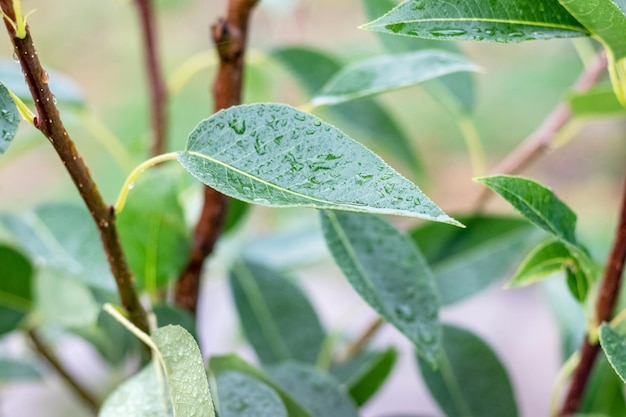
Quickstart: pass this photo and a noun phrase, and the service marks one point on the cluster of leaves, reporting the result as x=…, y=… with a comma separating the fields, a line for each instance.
x=54, y=272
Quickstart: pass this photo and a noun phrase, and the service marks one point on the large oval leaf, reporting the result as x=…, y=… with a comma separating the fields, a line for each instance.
x=390, y=72
x=278, y=319
x=480, y=20
x=389, y=273
x=614, y=346
x=275, y=155
x=9, y=119
x=243, y=396
x=470, y=379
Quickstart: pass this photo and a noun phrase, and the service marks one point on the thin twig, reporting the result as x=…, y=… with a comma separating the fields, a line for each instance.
x=42, y=349
x=361, y=342
x=605, y=305
x=230, y=37
x=540, y=141
x=156, y=81
x=48, y=121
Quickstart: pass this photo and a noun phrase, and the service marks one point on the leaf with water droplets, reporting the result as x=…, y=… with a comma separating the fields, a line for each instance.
x=390, y=72
x=278, y=319
x=9, y=119
x=480, y=20
x=16, y=293
x=390, y=274
x=606, y=21
x=455, y=384
x=614, y=346
x=184, y=372
x=275, y=155
x=316, y=392
x=240, y=395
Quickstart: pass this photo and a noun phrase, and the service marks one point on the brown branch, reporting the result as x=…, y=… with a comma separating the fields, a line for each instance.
x=155, y=78
x=361, y=341
x=540, y=141
x=48, y=121
x=42, y=349
x=230, y=37
x=605, y=304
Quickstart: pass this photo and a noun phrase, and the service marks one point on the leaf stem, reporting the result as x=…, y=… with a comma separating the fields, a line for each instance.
x=361, y=342
x=44, y=351
x=562, y=377
x=22, y=108
x=158, y=90
x=605, y=305
x=49, y=122
x=132, y=177
x=474, y=145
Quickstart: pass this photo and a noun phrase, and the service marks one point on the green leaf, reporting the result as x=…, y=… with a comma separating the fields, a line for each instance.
x=600, y=101
x=390, y=72
x=318, y=393
x=142, y=395
x=568, y=314
x=236, y=214
x=467, y=261
x=614, y=346
x=458, y=87
x=9, y=119
x=63, y=236
x=364, y=118
x=184, y=371
x=65, y=90
x=510, y=21
x=64, y=300
x=470, y=379
x=152, y=230
x=364, y=374
x=389, y=273
x=12, y=370
x=549, y=257
x=607, y=22
x=243, y=396
x=537, y=203
x=220, y=364
x=278, y=319
x=275, y=155
x=604, y=393
x=16, y=293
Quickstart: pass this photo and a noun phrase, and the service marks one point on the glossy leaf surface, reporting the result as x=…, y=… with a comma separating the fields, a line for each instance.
x=277, y=317
x=537, y=203
x=549, y=257
x=614, y=346
x=12, y=370
x=597, y=102
x=366, y=119
x=467, y=261
x=390, y=72
x=243, y=396
x=9, y=119
x=16, y=288
x=470, y=379
x=184, y=370
x=152, y=230
x=364, y=374
x=318, y=393
x=510, y=21
x=275, y=155
x=389, y=273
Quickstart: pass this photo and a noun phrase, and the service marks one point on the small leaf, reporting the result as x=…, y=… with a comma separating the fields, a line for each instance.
x=390, y=72
x=318, y=393
x=243, y=396
x=607, y=22
x=16, y=293
x=365, y=118
x=470, y=379
x=614, y=346
x=598, y=102
x=184, y=370
x=12, y=370
x=364, y=374
x=389, y=273
x=9, y=119
x=278, y=319
x=549, y=257
x=537, y=203
x=510, y=21
x=152, y=230
x=275, y=155
x=467, y=261
x=226, y=363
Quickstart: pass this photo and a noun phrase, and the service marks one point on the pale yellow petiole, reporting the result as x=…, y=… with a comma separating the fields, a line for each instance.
x=562, y=377
x=19, y=25
x=22, y=108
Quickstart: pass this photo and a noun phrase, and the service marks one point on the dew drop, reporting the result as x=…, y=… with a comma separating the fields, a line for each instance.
x=404, y=312
x=44, y=77
x=15, y=58
x=131, y=186
x=447, y=32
